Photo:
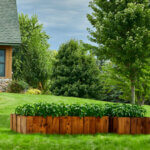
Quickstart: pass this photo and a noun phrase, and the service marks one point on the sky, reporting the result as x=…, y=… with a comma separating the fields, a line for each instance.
x=62, y=19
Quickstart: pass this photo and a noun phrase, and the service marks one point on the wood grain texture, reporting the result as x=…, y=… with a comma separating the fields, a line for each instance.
x=23, y=124
x=11, y=121
x=29, y=124
x=52, y=125
x=42, y=125
x=14, y=123
x=76, y=125
x=65, y=125
x=123, y=125
x=114, y=124
x=102, y=124
x=146, y=125
x=89, y=125
x=49, y=129
x=18, y=124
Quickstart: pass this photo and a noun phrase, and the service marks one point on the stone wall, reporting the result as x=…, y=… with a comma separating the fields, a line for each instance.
x=4, y=84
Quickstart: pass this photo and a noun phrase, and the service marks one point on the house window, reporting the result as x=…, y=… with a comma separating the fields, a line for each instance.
x=2, y=63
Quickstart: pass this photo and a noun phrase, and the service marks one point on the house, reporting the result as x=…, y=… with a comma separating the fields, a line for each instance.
x=9, y=39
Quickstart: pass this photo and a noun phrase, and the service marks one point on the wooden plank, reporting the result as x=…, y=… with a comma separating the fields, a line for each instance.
x=147, y=125
x=105, y=124
x=92, y=125
x=18, y=124
x=29, y=124
x=35, y=128
x=114, y=124
x=76, y=125
x=14, y=122
x=127, y=124
x=86, y=125
x=23, y=124
x=68, y=125
x=11, y=121
x=65, y=125
x=123, y=125
x=102, y=124
x=139, y=126
x=110, y=124
x=133, y=126
x=89, y=125
x=42, y=125
x=56, y=125
x=49, y=129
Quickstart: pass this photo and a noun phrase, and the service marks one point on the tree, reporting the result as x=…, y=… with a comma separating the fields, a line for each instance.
x=122, y=32
x=117, y=87
x=75, y=72
x=143, y=86
x=31, y=62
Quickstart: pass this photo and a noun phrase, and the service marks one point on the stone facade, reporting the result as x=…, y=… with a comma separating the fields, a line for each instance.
x=4, y=84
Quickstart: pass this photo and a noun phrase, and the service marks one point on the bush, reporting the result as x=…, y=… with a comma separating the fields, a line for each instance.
x=124, y=110
x=17, y=87
x=95, y=110
x=75, y=72
x=33, y=91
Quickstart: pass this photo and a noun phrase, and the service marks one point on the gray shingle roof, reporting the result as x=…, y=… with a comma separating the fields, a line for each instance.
x=9, y=24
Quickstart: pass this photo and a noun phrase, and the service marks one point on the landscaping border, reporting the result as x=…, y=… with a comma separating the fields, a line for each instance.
x=79, y=125
x=127, y=125
x=59, y=125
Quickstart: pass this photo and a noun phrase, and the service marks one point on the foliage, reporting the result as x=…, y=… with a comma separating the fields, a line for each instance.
x=116, y=87
x=113, y=85
x=17, y=86
x=33, y=91
x=95, y=110
x=122, y=32
x=124, y=110
x=143, y=86
x=32, y=61
x=75, y=72
x=45, y=109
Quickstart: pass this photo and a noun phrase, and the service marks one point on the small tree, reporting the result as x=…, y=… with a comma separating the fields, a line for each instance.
x=122, y=32
x=31, y=62
x=75, y=72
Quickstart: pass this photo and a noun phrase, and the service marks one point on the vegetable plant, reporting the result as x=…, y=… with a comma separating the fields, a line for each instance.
x=81, y=110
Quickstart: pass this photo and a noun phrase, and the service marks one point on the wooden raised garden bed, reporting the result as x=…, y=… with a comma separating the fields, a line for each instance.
x=59, y=125
x=77, y=125
x=32, y=122
x=127, y=125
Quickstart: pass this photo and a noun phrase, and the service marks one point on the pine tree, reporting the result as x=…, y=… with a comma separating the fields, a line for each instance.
x=75, y=72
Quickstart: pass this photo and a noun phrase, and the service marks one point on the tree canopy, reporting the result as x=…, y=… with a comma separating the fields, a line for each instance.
x=31, y=62
x=122, y=33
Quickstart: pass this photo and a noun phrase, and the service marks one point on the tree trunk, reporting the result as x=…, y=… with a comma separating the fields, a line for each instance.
x=133, y=92
x=143, y=100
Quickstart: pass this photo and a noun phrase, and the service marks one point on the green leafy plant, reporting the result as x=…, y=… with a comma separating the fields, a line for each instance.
x=45, y=109
x=95, y=110
x=17, y=86
x=124, y=110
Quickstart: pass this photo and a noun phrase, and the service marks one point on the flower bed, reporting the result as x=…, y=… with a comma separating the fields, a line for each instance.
x=80, y=119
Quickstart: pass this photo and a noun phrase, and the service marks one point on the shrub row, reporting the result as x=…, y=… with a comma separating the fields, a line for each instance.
x=83, y=110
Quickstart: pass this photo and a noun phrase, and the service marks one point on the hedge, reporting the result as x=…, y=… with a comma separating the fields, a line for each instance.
x=81, y=110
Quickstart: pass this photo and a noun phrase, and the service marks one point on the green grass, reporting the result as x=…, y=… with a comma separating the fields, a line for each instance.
x=12, y=141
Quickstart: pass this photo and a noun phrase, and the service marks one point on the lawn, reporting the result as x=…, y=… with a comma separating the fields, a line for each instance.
x=12, y=141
